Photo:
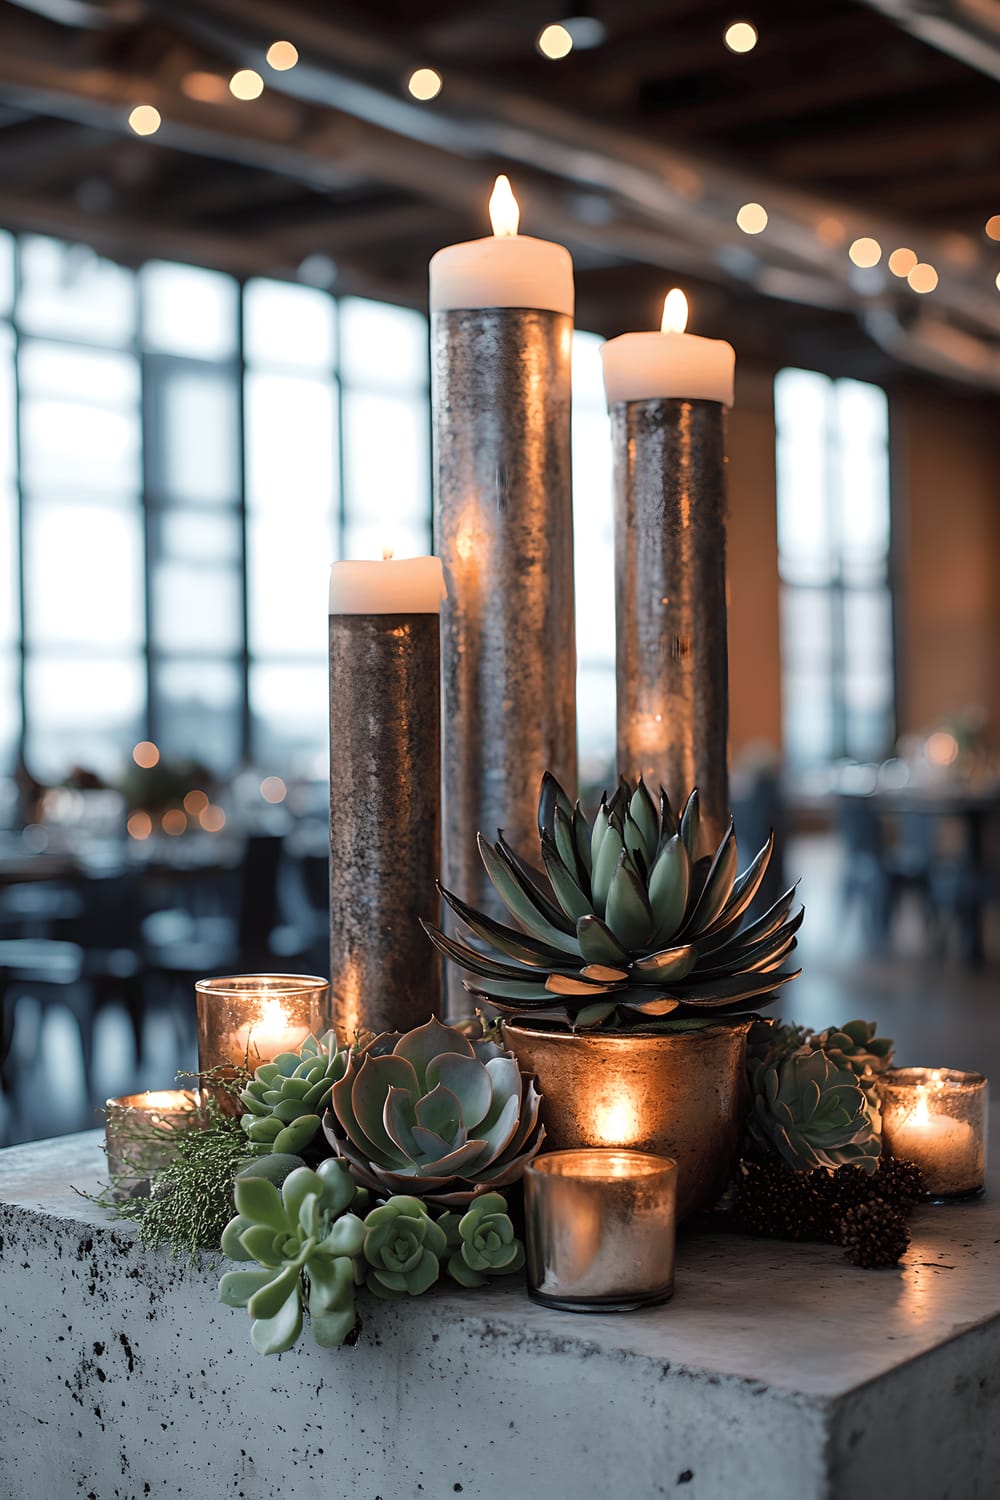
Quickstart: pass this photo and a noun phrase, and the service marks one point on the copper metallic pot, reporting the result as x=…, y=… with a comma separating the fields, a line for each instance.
x=681, y=1095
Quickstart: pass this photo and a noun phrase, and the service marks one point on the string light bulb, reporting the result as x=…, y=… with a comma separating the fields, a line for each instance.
x=425, y=84
x=146, y=755
x=993, y=227
x=145, y=119
x=752, y=218
x=922, y=278
x=281, y=56
x=554, y=42
x=902, y=261
x=246, y=84
x=865, y=252
x=740, y=36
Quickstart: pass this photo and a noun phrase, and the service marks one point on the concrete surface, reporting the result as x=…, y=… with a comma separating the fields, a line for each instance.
x=778, y=1372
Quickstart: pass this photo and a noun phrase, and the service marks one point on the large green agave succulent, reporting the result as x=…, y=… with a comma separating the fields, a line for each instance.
x=630, y=924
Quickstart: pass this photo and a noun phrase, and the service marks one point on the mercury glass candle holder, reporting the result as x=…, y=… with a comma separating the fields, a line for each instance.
x=245, y=1020
x=936, y=1118
x=140, y=1132
x=600, y=1229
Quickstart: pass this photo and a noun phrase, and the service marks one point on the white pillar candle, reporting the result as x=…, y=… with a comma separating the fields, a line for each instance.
x=671, y=363
x=506, y=269
x=394, y=586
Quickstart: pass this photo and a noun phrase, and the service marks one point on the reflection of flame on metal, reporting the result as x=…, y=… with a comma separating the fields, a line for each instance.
x=617, y=1122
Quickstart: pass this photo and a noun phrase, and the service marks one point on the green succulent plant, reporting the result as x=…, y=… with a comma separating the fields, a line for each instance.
x=402, y=1247
x=630, y=923
x=434, y=1114
x=813, y=1113
x=770, y=1041
x=285, y=1098
x=855, y=1045
x=304, y=1242
x=482, y=1242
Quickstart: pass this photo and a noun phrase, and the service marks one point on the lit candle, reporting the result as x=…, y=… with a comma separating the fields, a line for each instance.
x=385, y=791
x=140, y=1132
x=936, y=1118
x=600, y=1229
x=269, y=1034
x=505, y=269
x=246, y=1020
x=654, y=366
x=667, y=392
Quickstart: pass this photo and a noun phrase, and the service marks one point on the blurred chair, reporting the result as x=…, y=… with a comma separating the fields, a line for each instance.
x=50, y=973
x=878, y=875
x=758, y=807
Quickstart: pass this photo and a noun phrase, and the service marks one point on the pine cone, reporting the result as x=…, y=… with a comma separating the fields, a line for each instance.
x=777, y=1203
x=899, y=1182
x=874, y=1234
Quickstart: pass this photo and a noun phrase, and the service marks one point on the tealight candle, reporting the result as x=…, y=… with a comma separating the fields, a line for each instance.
x=936, y=1118
x=140, y=1132
x=600, y=1229
x=248, y=1019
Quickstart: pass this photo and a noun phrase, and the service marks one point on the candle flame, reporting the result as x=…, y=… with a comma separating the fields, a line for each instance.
x=504, y=212
x=617, y=1123
x=387, y=553
x=921, y=1114
x=675, y=312
x=273, y=1016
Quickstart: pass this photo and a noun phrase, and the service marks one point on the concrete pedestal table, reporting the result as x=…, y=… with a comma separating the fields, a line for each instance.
x=778, y=1372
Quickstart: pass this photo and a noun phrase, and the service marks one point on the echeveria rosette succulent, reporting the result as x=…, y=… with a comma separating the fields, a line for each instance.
x=856, y=1046
x=402, y=1248
x=304, y=1242
x=482, y=1242
x=813, y=1114
x=287, y=1096
x=629, y=924
x=435, y=1115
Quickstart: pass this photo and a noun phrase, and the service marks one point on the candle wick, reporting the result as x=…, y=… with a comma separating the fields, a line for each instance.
x=387, y=553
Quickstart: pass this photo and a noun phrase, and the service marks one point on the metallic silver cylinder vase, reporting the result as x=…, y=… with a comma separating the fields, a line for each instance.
x=385, y=771
x=670, y=600
x=504, y=531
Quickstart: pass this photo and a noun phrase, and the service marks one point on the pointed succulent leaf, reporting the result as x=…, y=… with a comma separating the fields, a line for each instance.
x=259, y=1201
x=605, y=865
x=669, y=883
x=666, y=967
x=534, y=882
x=598, y=944
x=551, y=798
x=656, y=1005
x=268, y=1300
x=601, y=825
x=521, y=900
x=718, y=884
x=510, y=941
x=628, y=911
x=565, y=984
x=690, y=821
x=594, y=1015
x=230, y=1243
x=642, y=811
x=582, y=841
x=668, y=823
x=275, y=1335
x=568, y=893
x=565, y=843
x=237, y=1287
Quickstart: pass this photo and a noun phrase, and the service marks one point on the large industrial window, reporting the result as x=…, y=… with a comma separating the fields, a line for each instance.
x=834, y=562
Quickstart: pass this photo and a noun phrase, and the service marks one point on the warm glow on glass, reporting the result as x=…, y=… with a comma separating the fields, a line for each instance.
x=752, y=218
x=139, y=825
x=145, y=119
x=281, y=56
x=424, y=83
x=388, y=552
x=146, y=754
x=923, y=277
x=831, y=231
x=273, y=789
x=993, y=227
x=617, y=1123
x=206, y=88
x=865, y=252
x=174, y=822
x=505, y=215
x=195, y=802
x=941, y=748
x=997, y=282
x=213, y=819
x=246, y=84
x=554, y=42
x=902, y=261
x=740, y=37
x=675, y=312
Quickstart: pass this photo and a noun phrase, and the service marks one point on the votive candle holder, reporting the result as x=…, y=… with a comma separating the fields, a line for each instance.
x=245, y=1020
x=140, y=1133
x=936, y=1119
x=600, y=1229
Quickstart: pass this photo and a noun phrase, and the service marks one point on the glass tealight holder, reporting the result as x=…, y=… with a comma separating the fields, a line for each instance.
x=936, y=1119
x=140, y=1132
x=600, y=1229
x=245, y=1020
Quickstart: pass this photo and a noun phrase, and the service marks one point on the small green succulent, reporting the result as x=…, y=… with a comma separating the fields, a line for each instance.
x=855, y=1045
x=813, y=1113
x=286, y=1097
x=482, y=1242
x=770, y=1040
x=403, y=1247
x=304, y=1242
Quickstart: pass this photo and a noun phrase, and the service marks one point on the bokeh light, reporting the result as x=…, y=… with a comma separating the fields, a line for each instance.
x=740, y=37
x=923, y=277
x=213, y=819
x=902, y=261
x=146, y=754
x=273, y=789
x=174, y=822
x=752, y=218
x=281, y=56
x=554, y=42
x=139, y=825
x=424, y=83
x=246, y=84
x=195, y=802
x=865, y=252
x=145, y=119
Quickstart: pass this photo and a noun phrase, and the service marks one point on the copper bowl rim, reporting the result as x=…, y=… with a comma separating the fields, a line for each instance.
x=623, y=1038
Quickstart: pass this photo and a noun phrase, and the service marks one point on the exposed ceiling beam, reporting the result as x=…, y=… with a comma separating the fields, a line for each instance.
x=968, y=30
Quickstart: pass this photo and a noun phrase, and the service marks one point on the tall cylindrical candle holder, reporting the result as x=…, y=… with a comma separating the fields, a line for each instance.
x=666, y=393
x=385, y=787
x=501, y=332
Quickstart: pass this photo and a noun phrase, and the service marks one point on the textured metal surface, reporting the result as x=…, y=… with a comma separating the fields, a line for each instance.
x=679, y=1096
x=385, y=767
x=504, y=530
x=670, y=596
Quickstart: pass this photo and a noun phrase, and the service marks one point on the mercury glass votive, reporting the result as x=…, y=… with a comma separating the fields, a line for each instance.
x=140, y=1132
x=245, y=1020
x=936, y=1118
x=600, y=1229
